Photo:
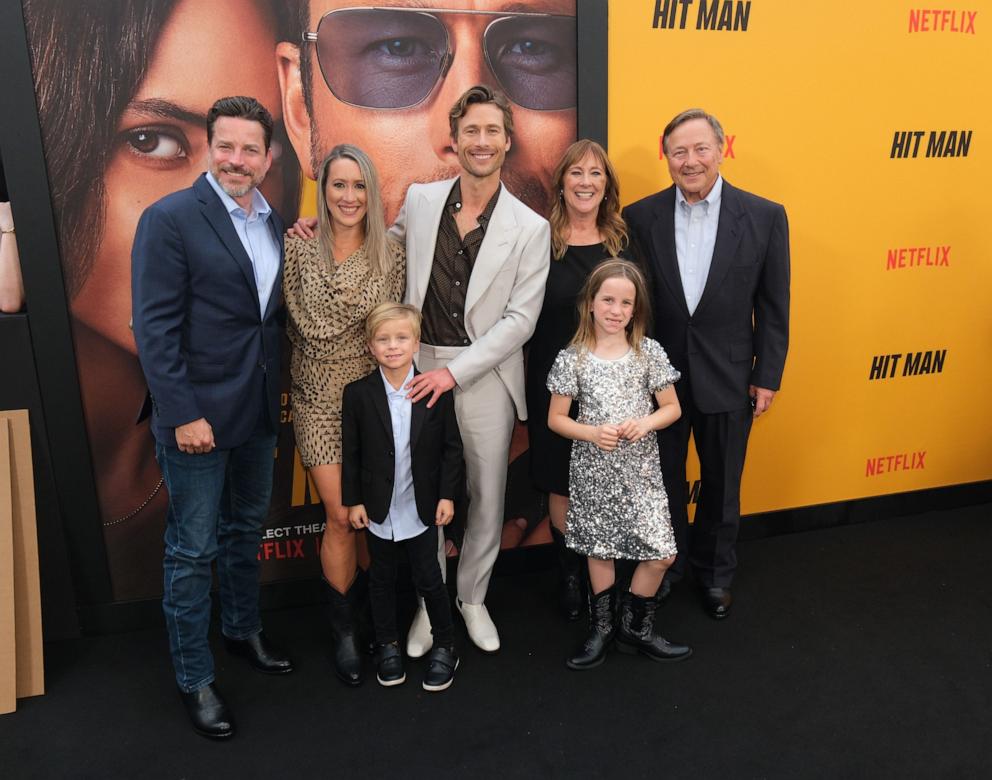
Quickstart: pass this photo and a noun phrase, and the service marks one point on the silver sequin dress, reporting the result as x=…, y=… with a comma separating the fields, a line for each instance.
x=617, y=506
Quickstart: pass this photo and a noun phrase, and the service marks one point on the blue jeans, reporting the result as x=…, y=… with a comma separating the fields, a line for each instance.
x=218, y=502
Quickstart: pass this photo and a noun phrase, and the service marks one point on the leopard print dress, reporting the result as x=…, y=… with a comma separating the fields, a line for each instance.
x=327, y=305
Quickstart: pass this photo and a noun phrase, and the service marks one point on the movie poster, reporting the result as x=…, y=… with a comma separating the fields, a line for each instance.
x=123, y=87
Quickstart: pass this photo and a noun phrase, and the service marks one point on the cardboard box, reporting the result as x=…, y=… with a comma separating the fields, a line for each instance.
x=8, y=644
x=19, y=559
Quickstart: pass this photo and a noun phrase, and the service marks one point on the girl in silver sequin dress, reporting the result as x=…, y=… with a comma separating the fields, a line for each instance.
x=618, y=507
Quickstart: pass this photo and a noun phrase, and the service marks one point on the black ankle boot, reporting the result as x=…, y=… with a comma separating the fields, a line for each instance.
x=571, y=580
x=602, y=624
x=341, y=614
x=637, y=635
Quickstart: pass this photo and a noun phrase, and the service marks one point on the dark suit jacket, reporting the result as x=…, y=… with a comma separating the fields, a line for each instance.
x=739, y=333
x=369, y=465
x=204, y=348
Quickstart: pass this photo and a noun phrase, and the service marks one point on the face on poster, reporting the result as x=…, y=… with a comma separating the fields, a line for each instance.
x=123, y=90
x=384, y=79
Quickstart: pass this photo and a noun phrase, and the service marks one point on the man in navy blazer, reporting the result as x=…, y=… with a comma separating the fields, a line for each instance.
x=207, y=314
x=718, y=259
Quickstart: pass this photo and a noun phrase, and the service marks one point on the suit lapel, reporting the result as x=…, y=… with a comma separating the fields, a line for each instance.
x=220, y=221
x=500, y=235
x=728, y=236
x=663, y=241
x=380, y=402
x=427, y=228
x=418, y=414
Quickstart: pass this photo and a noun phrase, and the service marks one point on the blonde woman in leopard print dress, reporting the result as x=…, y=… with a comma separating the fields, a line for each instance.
x=331, y=283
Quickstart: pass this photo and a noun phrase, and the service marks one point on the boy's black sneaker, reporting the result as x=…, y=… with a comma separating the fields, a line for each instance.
x=389, y=665
x=441, y=666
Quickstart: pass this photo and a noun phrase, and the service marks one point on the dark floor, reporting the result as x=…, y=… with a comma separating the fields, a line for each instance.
x=858, y=651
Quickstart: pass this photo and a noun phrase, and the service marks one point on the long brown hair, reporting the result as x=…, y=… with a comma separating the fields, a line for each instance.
x=608, y=220
x=585, y=336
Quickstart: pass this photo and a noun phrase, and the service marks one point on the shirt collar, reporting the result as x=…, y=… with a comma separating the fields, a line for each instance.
x=711, y=200
x=259, y=205
x=454, y=203
x=390, y=390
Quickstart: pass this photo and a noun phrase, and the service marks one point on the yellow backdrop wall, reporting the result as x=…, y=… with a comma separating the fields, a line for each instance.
x=869, y=122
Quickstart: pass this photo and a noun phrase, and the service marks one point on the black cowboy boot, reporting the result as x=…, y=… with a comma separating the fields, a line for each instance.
x=636, y=633
x=341, y=613
x=571, y=568
x=602, y=624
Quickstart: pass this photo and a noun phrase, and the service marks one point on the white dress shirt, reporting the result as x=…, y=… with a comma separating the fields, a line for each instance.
x=257, y=237
x=695, y=237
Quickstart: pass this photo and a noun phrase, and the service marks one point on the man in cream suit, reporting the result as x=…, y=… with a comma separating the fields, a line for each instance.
x=477, y=262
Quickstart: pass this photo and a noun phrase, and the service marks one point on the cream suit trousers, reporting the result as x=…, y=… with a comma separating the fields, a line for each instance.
x=485, y=416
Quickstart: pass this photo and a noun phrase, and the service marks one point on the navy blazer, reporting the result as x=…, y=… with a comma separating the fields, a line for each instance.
x=205, y=349
x=369, y=463
x=739, y=333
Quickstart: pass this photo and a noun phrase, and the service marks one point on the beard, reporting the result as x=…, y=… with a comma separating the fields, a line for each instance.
x=237, y=190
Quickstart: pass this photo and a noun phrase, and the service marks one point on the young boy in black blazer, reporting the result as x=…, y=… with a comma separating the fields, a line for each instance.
x=401, y=469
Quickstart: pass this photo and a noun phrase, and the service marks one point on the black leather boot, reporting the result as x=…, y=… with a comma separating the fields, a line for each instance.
x=602, y=624
x=571, y=577
x=341, y=614
x=637, y=635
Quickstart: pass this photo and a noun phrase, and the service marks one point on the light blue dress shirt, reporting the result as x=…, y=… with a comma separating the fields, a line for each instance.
x=257, y=237
x=402, y=522
x=695, y=236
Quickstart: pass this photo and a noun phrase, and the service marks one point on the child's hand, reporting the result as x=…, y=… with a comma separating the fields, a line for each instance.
x=358, y=517
x=606, y=437
x=445, y=511
x=635, y=429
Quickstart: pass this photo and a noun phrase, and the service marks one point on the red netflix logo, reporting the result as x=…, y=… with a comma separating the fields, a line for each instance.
x=918, y=257
x=903, y=461
x=285, y=549
x=942, y=20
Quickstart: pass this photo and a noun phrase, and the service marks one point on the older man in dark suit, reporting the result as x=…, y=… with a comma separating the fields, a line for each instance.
x=206, y=300
x=718, y=258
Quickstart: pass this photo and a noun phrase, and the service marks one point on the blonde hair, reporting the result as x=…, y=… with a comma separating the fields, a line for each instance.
x=585, y=336
x=390, y=310
x=376, y=240
x=608, y=219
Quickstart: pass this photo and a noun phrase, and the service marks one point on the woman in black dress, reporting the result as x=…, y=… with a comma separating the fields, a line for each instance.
x=586, y=228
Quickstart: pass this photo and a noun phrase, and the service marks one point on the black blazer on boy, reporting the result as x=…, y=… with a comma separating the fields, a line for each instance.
x=369, y=464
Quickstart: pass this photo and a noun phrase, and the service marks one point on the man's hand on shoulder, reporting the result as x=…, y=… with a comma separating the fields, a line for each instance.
x=761, y=399
x=304, y=227
x=195, y=438
x=433, y=382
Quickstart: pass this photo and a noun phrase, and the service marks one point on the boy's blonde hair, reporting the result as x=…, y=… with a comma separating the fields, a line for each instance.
x=392, y=311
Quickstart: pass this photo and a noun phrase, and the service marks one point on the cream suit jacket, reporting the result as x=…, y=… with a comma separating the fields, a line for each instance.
x=506, y=289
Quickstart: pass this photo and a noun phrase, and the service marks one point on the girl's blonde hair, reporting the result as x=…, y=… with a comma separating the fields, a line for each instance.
x=376, y=240
x=608, y=219
x=585, y=335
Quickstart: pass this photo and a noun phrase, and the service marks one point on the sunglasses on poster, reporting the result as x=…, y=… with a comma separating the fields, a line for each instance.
x=394, y=58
